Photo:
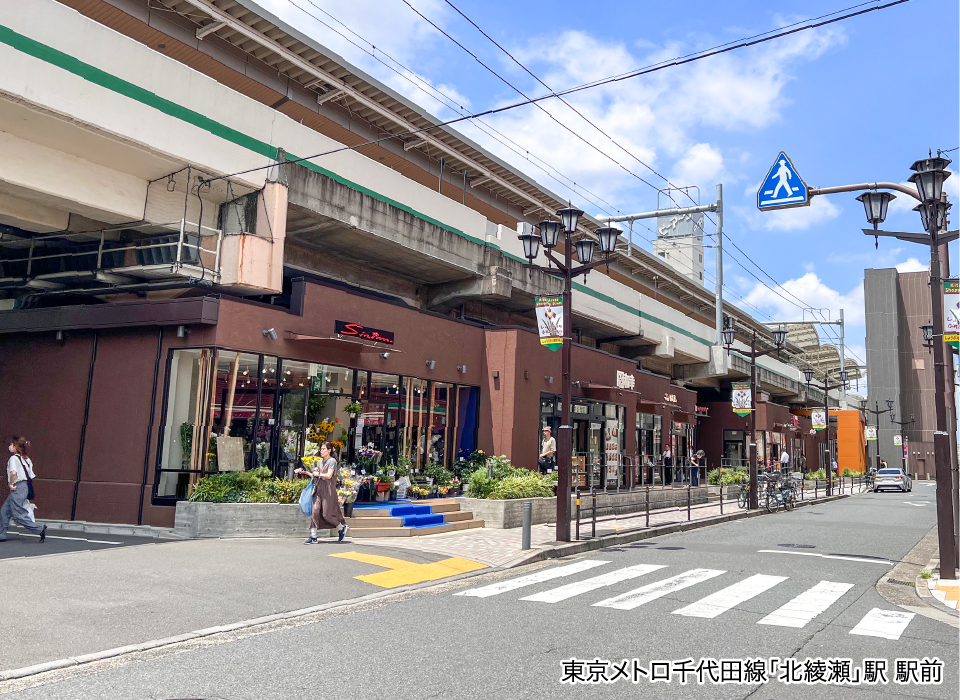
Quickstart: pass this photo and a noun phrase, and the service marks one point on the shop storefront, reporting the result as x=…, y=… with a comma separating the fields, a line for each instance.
x=598, y=439
x=232, y=411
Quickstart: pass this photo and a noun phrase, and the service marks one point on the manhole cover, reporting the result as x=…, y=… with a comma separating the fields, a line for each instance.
x=899, y=583
x=798, y=546
x=671, y=548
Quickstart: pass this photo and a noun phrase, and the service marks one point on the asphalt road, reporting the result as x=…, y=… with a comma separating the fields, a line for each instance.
x=433, y=643
x=75, y=597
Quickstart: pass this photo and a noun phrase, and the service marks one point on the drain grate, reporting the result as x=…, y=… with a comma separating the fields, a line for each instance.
x=899, y=583
x=798, y=546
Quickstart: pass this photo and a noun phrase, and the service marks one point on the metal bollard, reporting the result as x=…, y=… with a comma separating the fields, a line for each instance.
x=646, y=504
x=721, y=499
x=593, y=509
x=688, y=502
x=578, y=513
x=527, y=522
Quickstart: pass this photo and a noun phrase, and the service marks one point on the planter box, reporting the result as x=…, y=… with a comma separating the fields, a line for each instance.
x=201, y=520
x=509, y=514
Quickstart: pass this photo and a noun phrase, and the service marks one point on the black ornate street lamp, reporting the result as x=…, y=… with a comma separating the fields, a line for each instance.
x=876, y=412
x=549, y=238
x=827, y=388
x=779, y=338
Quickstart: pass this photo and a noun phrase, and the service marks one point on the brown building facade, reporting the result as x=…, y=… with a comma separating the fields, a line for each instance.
x=149, y=396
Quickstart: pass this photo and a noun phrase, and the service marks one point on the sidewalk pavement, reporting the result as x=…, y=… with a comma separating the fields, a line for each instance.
x=496, y=547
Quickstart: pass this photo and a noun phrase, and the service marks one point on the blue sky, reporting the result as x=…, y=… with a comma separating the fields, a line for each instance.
x=856, y=101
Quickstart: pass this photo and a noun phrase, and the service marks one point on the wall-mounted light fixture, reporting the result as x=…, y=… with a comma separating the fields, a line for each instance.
x=59, y=336
x=462, y=369
x=549, y=380
x=496, y=374
x=171, y=183
x=431, y=364
x=270, y=333
x=526, y=374
x=181, y=331
x=384, y=355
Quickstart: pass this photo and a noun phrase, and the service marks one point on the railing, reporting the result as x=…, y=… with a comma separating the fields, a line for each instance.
x=638, y=514
x=180, y=244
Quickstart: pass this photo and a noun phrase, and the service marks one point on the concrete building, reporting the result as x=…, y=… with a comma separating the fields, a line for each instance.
x=186, y=286
x=900, y=366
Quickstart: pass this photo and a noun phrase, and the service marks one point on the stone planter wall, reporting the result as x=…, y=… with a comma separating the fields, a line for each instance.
x=509, y=514
x=201, y=520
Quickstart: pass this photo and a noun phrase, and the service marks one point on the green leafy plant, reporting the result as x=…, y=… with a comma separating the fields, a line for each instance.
x=819, y=474
x=725, y=477
x=437, y=472
x=850, y=472
x=354, y=408
x=257, y=486
x=186, y=439
x=523, y=485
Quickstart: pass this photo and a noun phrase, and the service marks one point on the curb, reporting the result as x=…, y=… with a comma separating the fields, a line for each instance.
x=146, y=531
x=604, y=541
x=80, y=660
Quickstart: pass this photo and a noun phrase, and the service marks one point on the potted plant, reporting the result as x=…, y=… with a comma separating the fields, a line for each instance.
x=354, y=408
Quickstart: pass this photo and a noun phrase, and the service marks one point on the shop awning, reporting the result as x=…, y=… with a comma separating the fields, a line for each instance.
x=605, y=387
x=341, y=343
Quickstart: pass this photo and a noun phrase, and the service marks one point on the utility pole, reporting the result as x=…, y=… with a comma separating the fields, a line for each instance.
x=717, y=208
x=876, y=412
x=779, y=338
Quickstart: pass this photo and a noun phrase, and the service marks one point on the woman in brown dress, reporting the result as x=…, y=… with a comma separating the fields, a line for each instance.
x=326, y=505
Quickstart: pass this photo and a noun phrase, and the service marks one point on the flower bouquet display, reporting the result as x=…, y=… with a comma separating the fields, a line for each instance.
x=348, y=486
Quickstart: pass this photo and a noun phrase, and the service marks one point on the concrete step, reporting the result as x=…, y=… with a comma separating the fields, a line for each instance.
x=374, y=521
x=457, y=516
x=361, y=532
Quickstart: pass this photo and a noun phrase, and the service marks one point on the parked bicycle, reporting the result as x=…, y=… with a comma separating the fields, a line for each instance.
x=779, y=492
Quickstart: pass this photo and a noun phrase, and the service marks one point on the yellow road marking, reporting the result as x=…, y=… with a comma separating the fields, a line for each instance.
x=403, y=573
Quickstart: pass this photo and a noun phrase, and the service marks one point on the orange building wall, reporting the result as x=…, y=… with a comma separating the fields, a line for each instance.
x=851, y=450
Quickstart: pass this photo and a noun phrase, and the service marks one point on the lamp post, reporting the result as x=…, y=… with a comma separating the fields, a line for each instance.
x=779, y=338
x=876, y=421
x=903, y=450
x=928, y=177
x=549, y=238
x=827, y=388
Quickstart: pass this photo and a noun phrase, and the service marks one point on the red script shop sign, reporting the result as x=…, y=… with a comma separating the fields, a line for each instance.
x=359, y=331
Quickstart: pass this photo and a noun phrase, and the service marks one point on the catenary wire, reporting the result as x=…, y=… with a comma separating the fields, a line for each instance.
x=508, y=107
x=448, y=101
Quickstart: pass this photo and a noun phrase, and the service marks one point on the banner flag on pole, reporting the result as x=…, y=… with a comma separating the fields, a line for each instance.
x=951, y=312
x=550, y=321
x=870, y=432
x=740, y=399
x=819, y=419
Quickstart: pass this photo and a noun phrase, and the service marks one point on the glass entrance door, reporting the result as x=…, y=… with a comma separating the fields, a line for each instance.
x=290, y=431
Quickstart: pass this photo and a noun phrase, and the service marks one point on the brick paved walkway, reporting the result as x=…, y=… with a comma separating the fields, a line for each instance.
x=495, y=547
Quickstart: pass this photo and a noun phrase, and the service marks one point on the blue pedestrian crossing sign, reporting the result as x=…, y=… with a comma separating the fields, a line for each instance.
x=782, y=187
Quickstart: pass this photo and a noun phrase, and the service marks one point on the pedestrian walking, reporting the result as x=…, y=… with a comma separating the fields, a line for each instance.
x=667, y=466
x=20, y=476
x=548, y=452
x=326, y=504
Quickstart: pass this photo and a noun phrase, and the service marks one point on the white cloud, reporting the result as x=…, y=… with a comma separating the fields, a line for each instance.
x=701, y=163
x=821, y=210
x=913, y=265
x=809, y=289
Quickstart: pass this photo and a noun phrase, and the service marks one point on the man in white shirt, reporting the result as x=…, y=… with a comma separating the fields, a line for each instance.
x=784, y=461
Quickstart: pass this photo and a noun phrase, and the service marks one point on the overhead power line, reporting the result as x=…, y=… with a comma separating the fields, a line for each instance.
x=512, y=106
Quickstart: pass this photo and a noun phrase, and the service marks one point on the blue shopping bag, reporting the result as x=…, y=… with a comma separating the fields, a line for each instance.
x=306, y=499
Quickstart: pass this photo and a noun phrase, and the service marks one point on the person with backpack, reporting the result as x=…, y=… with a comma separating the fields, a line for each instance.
x=20, y=476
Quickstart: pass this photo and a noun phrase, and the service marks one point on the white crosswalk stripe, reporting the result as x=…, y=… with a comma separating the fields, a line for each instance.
x=644, y=594
x=796, y=613
x=539, y=577
x=806, y=606
x=888, y=624
x=591, y=584
x=729, y=597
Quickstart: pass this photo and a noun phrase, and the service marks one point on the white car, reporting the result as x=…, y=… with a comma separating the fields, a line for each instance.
x=892, y=479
